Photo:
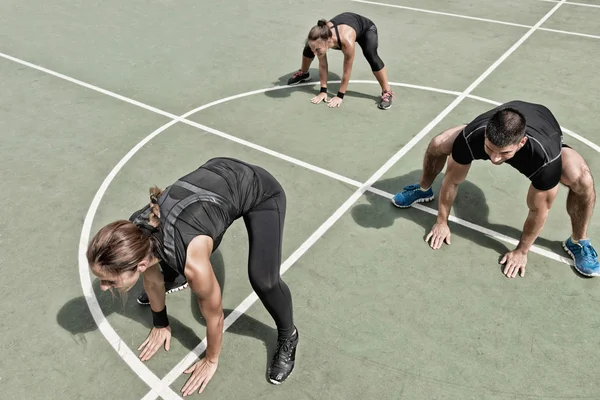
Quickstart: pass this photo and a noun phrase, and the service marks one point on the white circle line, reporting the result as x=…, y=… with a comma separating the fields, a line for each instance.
x=86, y=283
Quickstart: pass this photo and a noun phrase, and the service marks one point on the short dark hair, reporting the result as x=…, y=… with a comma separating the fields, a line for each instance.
x=506, y=127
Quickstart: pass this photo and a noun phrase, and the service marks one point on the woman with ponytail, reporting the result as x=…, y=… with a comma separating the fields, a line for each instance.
x=342, y=32
x=178, y=231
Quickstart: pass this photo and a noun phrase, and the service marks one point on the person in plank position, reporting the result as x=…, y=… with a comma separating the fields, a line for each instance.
x=528, y=137
x=342, y=32
x=179, y=230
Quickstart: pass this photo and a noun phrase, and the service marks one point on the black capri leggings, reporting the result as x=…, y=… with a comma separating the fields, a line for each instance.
x=368, y=42
x=264, y=224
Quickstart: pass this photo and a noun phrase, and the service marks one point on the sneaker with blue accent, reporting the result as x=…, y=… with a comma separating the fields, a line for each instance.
x=584, y=256
x=412, y=194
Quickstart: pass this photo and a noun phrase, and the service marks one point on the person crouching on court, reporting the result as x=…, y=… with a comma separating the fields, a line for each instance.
x=527, y=137
x=180, y=229
x=342, y=33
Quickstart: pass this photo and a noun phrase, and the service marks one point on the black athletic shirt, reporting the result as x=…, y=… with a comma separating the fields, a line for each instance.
x=359, y=23
x=206, y=202
x=539, y=159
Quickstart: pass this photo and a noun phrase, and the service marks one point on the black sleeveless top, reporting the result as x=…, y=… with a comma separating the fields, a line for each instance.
x=204, y=202
x=357, y=22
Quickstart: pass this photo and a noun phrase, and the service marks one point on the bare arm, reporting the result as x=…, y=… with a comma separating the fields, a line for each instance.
x=154, y=285
x=202, y=280
x=349, y=51
x=539, y=203
x=455, y=175
x=323, y=70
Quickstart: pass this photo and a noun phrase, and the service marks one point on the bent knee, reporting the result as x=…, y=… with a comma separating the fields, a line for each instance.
x=442, y=143
x=579, y=178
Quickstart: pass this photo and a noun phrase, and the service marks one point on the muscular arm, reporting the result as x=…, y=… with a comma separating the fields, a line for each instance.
x=154, y=285
x=323, y=70
x=348, y=52
x=539, y=203
x=455, y=174
x=202, y=280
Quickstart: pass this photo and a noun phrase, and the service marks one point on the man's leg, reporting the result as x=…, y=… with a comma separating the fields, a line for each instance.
x=581, y=200
x=434, y=160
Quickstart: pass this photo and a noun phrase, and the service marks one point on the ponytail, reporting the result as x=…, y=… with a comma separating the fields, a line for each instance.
x=154, y=217
x=320, y=31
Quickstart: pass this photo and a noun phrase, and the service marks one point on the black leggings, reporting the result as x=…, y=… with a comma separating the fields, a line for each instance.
x=264, y=224
x=368, y=42
x=265, y=232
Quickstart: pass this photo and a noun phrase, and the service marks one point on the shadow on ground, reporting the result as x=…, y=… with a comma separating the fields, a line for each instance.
x=313, y=89
x=76, y=318
x=470, y=205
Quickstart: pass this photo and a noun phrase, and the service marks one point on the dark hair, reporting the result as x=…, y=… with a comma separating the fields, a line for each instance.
x=506, y=127
x=121, y=245
x=320, y=31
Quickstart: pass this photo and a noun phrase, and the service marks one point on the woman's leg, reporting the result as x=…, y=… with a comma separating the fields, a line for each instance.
x=369, y=43
x=265, y=232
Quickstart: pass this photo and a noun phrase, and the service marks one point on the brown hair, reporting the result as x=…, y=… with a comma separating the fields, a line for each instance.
x=320, y=31
x=121, y=245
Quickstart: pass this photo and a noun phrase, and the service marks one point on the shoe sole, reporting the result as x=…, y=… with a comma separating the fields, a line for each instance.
x=423, y=200
x=279, y=383
x=177, y=289
x=564, y=246
x=385, y=108
x=300, y=81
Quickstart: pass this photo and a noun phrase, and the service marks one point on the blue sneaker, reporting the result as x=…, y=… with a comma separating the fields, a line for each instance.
x=584, y=255
x=412, y=194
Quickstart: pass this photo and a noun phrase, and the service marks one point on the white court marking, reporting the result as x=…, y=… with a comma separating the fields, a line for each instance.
x=492, y=21
x=128, y=356
x=122, y=349
x=192, y=356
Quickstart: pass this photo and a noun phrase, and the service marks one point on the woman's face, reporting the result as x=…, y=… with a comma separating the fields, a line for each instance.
x=123, y=281
x=318, y=47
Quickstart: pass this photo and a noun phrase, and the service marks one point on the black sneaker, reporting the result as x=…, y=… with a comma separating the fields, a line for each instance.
x=170, y=287
x=299, y=77
x=283, y=361
x=386, y=99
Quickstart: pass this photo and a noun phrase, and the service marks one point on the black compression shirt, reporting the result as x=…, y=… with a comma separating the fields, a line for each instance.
x=206, y=202
x=539, y=159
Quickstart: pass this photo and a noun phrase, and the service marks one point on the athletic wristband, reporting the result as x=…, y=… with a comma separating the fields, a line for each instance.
x=340, y=95
x=323, y=90
x=160, y=319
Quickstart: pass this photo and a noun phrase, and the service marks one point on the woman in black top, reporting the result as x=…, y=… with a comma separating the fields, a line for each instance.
x=180, y=229
x=341, y=33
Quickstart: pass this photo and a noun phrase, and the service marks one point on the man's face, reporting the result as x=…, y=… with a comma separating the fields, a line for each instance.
x=499, y=155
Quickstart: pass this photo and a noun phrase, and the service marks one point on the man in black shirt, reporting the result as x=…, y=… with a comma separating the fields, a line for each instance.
x=527, y=137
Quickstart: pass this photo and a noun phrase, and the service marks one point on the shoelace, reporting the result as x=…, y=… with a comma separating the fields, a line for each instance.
x=386, y=95
x=298, y=73
x=284, y=349
x=588, y=251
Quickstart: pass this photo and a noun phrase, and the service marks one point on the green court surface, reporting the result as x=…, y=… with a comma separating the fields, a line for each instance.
x=91, y=95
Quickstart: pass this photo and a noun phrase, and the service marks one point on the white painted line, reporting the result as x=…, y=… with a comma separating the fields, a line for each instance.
x=491, y=233
x=574, y=3
x=183, y=117
x=92, y=302
x=481, y=19
x=582, y=139
x=273, y=153
x=86, y=283
x=442, y=13
x=192, y=357
x=587, y=35
x=89, y=86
